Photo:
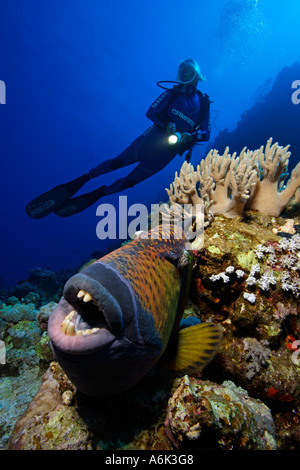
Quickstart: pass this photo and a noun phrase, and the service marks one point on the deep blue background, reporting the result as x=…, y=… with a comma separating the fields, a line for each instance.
x=80, y=76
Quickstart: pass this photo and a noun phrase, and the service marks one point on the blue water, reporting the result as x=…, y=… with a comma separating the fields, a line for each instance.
x=80, y=76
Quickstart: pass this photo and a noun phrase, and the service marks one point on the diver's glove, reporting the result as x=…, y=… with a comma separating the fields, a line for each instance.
x=198, y=136
x=186, y=138
x=171, y=128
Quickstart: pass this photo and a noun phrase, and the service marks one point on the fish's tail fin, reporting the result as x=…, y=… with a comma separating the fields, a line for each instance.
x=196, y=346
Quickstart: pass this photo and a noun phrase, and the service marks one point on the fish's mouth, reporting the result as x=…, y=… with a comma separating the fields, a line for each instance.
x=87, y=316
x=94, y=308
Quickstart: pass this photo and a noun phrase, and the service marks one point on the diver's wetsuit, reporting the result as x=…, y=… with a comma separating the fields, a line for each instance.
x=188, y=110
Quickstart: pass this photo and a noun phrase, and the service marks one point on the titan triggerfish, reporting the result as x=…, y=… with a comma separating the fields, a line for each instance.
x=119, y=316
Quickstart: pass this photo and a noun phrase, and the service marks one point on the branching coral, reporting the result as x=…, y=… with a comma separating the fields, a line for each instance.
x=230, y=184
x=233, y=178
x=184, y=191
x=269, y=195
x=183, y=188
x=297, y=196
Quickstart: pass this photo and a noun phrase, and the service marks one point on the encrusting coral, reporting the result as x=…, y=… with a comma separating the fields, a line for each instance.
x=218, y=417
x=230, y=184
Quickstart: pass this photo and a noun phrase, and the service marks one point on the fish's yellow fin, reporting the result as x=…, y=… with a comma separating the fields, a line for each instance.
x=196, y=346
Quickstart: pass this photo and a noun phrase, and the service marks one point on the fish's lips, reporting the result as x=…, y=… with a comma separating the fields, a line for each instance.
x=86, y=318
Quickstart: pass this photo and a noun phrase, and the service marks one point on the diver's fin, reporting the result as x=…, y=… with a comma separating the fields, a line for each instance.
x=188, y=155
x=49, y=201
x=196, y=346
x=80, y=203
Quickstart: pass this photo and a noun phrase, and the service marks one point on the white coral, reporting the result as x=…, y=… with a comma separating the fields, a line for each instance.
x=240, y=273
x=217, y=277
x=251, y=281
x=250, y=297
x=266, y=280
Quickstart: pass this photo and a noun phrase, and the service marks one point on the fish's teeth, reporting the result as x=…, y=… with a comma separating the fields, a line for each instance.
x=87, y=332
x=70, y=315
x=81, y=293
x=84, y=295
x=70, y=331
x=64, y=326
x=87, y=297
x=67, y=326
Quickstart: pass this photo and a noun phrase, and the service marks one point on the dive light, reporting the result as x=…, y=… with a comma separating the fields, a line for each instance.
x=174, y=138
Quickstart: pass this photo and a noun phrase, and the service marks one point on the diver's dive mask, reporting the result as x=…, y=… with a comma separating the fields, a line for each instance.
x=189, y=72
x=188, y=75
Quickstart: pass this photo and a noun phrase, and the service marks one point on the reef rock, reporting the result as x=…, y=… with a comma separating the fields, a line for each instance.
x=44, y=314
x=49, y=423
x=205, y=415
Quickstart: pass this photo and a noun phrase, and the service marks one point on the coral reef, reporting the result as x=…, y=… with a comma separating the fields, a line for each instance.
x=245, y=277
x=44, y=314
x=16, y=391
x=27, y=354
x=17, y=312
x=41, y=286
x=231, y=184
x=254, y=293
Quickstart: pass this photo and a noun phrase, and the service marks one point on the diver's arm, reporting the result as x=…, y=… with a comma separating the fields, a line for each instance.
x=158, y=111
x=200, y=135
x=205, y=128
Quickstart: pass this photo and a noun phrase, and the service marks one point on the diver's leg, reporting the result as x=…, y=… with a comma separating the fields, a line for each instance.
x=107, y=166
x=137, y=175
x=153, y=153
x=127, y=157
x=79, y=203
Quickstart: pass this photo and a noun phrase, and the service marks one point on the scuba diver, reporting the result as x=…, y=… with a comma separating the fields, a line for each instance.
x=181, y=118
